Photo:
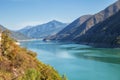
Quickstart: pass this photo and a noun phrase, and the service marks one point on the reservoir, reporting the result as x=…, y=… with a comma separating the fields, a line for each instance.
x=78, y=62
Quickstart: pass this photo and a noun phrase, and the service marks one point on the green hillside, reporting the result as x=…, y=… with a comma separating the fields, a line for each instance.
x=18, y=63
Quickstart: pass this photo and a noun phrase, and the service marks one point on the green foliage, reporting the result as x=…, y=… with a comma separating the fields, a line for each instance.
x=118, y=39
x=64, y=77
x=15, y=61
x=6, y=42
x=32, y=53
x=31, y=74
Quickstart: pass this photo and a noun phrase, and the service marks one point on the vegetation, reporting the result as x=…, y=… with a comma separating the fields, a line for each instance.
x=18, y=63
x=118, y=39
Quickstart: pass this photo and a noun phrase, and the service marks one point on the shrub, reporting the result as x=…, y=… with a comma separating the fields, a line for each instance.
x=31, y=74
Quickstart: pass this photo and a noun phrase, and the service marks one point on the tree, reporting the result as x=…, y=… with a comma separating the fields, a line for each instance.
x=5, y=42
x=64, y=77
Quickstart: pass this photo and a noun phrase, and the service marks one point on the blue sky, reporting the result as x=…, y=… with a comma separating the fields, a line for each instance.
x=15, y=14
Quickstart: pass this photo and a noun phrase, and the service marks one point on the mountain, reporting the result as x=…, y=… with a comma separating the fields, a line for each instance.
x=41, y=31
x=75, y=24
x=104, y=34
x=76, y=32
x=19, y=36
x=15, y=35
x=64, y=32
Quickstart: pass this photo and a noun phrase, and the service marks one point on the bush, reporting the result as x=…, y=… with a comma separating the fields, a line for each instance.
x=15, y=61
x=32, y=53
x=31, y=74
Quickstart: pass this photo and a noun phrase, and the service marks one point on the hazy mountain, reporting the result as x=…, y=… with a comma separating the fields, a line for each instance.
x=68, y=29
x=15, y=35
x=104, y=34
x=28, y=27
x=76, y=32
x=43, y=30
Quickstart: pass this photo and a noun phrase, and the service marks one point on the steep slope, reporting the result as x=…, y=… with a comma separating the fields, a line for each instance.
x=83, y=28
x=15, y=35
x=19, y=36
x=68, y=29
x=43, y=30
x=18, y=63
x=104, y=34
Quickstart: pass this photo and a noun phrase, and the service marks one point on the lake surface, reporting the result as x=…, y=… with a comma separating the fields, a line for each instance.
x=78, y=62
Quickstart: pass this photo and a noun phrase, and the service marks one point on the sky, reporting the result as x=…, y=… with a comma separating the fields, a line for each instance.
x=16, y=14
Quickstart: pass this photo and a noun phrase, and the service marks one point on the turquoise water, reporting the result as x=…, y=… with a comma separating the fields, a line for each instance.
x=78, y=62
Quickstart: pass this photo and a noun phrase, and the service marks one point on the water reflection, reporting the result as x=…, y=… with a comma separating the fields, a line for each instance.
x=102, y=59
x=97, y=54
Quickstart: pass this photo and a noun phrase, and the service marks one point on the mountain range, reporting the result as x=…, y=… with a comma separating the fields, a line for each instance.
x=76, y=33
x=43, y=30
x=70, y=28
x=14, y=34
x=106, y=33
x=99, y=30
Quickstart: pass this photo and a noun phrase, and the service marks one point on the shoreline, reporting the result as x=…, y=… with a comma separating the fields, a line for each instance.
x=28, y=40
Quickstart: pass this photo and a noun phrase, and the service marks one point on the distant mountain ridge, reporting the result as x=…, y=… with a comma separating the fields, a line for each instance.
x=68, y=29
x=28, y=27
x=43, y=30
x=76, y=32
x=104, y=34
x=15, y=35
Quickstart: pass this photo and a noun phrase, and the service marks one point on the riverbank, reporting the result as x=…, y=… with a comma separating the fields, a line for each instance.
x=29, y=40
